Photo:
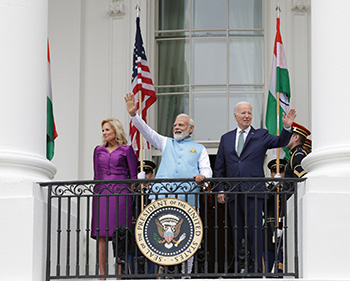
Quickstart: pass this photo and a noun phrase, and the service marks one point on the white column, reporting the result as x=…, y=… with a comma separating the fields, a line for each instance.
x=23, y=84
x=23, y=77
x=325, y=199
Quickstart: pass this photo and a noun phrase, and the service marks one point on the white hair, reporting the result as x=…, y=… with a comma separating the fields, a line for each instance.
x=190, y=120
x=235, y=109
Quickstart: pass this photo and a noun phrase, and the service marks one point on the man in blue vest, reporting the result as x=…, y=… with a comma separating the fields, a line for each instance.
x=181, y=156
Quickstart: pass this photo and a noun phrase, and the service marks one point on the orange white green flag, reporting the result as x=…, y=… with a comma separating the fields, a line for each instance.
x=51, y=132
x=279, y=82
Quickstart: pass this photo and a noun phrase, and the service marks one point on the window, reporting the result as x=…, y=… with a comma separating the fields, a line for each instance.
x=209, y=57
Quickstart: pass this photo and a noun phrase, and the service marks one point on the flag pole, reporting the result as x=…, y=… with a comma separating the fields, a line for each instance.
x=278, y=10
x=138, y=9
x=141, y=147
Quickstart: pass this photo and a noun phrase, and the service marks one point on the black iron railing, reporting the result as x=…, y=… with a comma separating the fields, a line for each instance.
x=72, y=253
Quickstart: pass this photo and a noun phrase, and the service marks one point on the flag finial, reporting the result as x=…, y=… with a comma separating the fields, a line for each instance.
x=138, y=9
x=278, y=10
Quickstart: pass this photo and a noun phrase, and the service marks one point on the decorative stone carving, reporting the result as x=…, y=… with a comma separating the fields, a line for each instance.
x=301, y=6
x=116, y=8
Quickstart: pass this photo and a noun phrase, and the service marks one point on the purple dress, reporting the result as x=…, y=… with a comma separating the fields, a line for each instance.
x=121, y=163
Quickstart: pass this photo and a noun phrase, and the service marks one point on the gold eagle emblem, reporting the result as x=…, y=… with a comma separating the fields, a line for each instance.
x=169, y=227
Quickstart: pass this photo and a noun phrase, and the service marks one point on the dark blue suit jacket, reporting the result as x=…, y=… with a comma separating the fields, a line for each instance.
x=251, y=161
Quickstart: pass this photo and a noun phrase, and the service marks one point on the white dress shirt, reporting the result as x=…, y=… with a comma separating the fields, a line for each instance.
x=244, y=135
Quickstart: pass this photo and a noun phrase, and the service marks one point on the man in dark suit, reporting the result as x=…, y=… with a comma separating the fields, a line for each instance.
x=241, y=153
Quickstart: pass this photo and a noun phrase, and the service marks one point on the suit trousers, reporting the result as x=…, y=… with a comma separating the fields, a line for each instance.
x=246, y=223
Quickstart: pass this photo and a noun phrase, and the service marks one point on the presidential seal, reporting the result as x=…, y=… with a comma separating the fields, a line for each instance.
x=168, y=231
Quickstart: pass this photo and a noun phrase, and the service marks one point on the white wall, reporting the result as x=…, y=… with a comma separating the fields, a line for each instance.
x=65, y=50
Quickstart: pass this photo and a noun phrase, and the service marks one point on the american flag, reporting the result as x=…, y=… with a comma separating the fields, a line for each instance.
x=140, y=81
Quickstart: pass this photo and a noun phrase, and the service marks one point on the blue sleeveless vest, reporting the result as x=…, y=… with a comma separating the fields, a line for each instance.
x=179, y=160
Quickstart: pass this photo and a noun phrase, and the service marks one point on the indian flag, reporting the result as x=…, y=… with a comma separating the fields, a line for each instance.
x=279, y=82
x=51, y=132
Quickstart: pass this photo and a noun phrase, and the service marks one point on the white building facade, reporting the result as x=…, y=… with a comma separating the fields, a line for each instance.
x=91, y=45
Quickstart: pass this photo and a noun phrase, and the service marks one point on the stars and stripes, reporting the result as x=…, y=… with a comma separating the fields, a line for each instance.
x=141, y=82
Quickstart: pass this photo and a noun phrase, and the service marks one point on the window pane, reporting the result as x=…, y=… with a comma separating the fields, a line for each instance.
x=204, y=108
x=209, y=14
x=168, y=108
x=241, y=32
x=173, y=57
x=173, y=15
x=165, y=90
x=250, y=89
x=173, y=35
x=209, y=61
x=206, y=33
x=245, y=14
x=256, y=101
x=246, y=61
x=210, y=89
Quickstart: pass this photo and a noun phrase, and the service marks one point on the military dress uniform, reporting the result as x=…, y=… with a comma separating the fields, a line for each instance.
x=137, y=208
x=294, y=168
x=270, y=239
x=297, y=154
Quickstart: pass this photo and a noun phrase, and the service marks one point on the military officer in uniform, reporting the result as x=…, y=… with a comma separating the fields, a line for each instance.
x=148, y=169
x=271, y=235
x=272, y=165
x=297, y=152
x=147, y=173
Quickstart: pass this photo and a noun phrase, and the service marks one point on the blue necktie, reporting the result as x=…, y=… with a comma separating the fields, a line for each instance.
x=240, y=142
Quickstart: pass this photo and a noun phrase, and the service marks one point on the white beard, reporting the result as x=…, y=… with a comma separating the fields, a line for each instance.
x=183, y=134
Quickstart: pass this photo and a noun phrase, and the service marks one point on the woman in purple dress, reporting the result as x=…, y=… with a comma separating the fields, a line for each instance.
x=113, y=160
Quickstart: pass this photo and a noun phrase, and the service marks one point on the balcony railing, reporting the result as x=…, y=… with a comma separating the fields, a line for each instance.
x=72, y=253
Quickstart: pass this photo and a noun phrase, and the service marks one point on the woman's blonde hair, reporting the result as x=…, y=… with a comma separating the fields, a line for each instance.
x=120, y=135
